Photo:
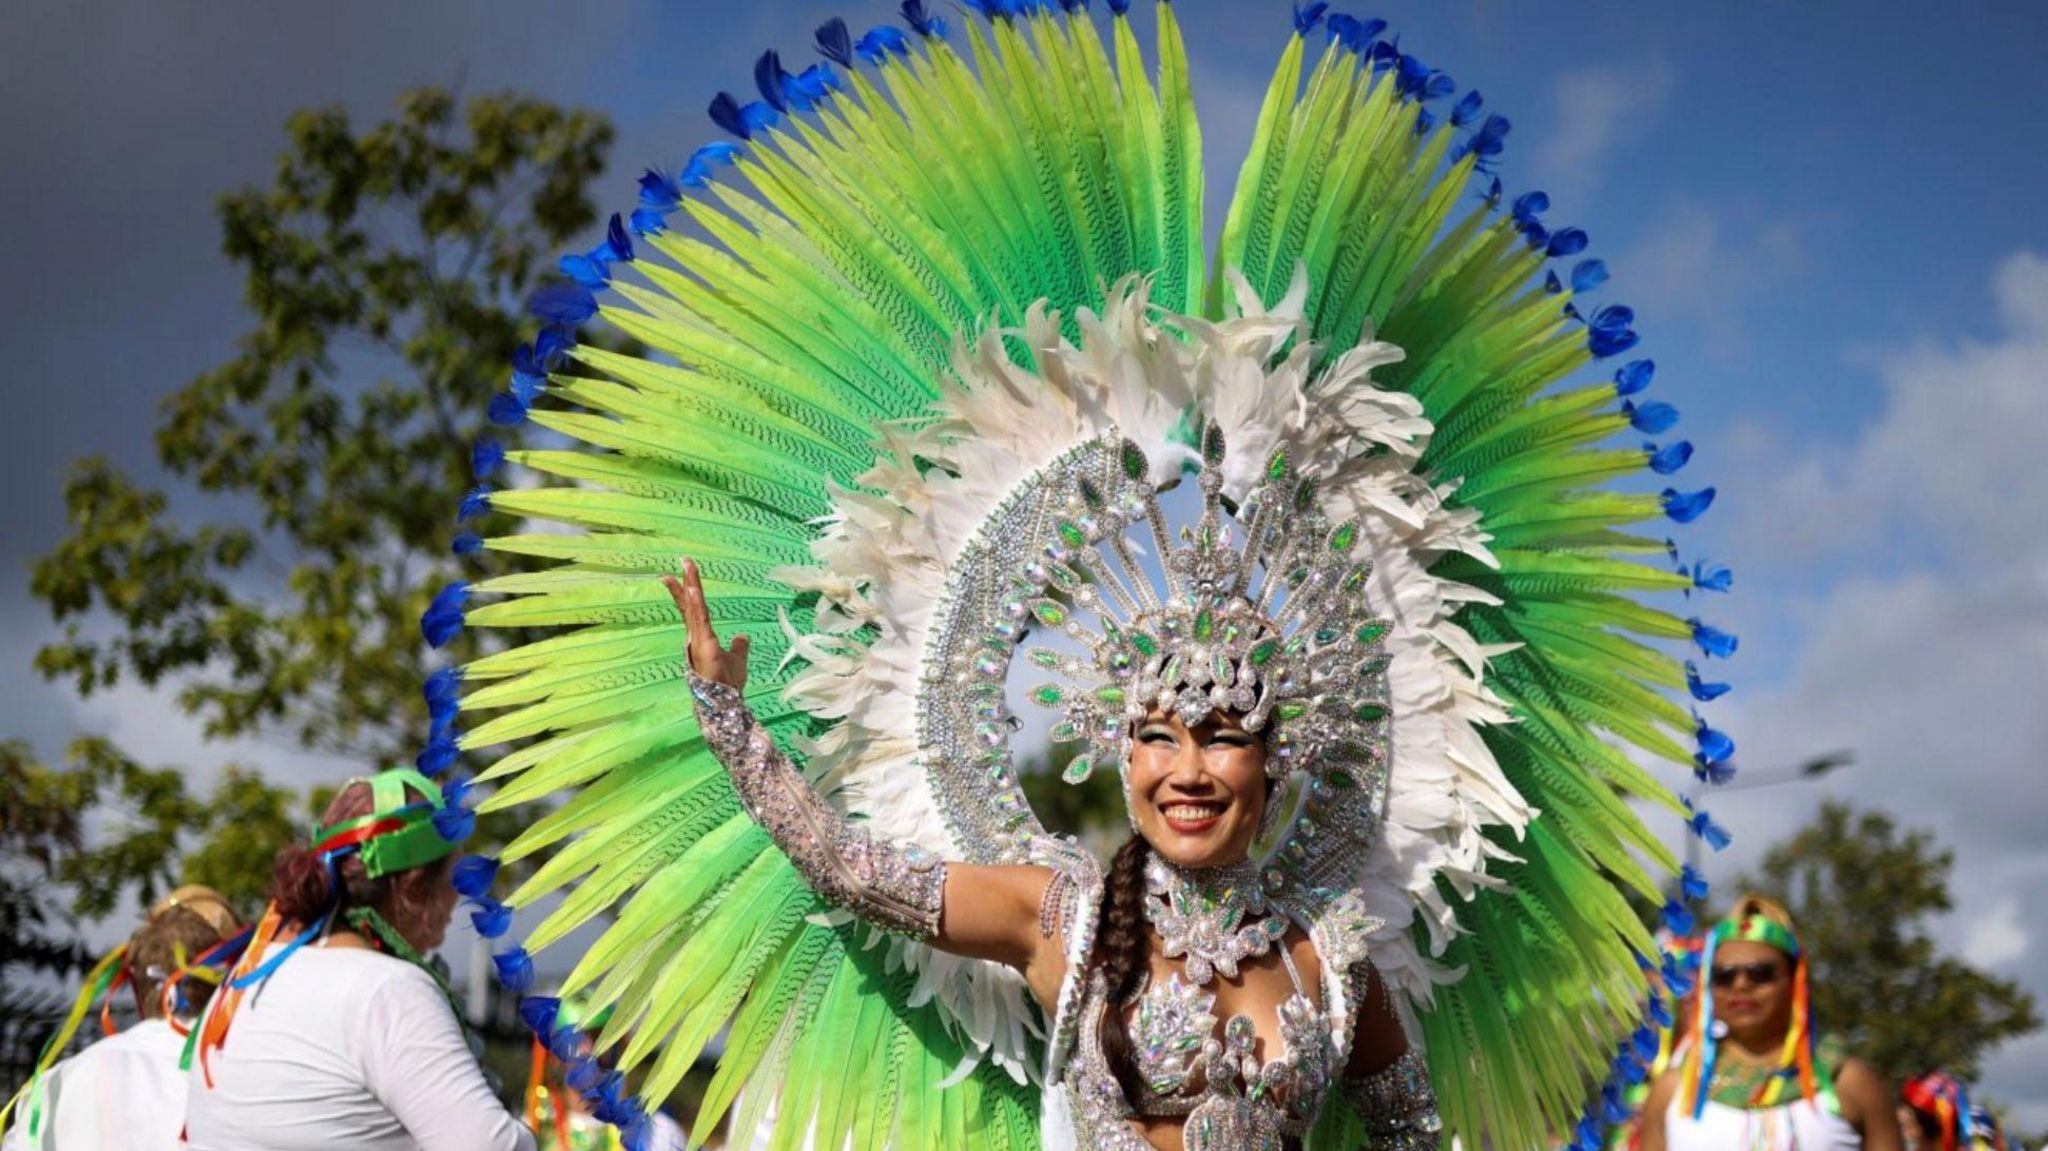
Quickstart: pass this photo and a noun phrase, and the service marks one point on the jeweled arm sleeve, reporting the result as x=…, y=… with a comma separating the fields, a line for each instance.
x=896, y=886
x=1398, y=1106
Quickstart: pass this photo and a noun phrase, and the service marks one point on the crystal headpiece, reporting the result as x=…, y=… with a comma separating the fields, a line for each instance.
x=1268, y=621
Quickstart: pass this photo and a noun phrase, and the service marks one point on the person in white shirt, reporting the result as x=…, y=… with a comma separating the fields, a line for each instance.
x=127, y=1090
x=333, y=1031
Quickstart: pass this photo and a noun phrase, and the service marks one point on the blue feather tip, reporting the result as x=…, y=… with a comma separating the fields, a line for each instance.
x=473, y=876
x=538, y=1012
x=491, y=918
x=443, y=617
x=1714, y=642
x=1685, y=507
x=515, y=969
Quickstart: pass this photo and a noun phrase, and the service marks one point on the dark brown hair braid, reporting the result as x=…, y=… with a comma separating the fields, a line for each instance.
x=1123, y=955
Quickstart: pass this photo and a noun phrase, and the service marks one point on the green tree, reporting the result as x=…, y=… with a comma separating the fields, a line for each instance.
x=77, y=839
x=385, y=273
x=275, y=582
x=151, y=833
x=1861, y=890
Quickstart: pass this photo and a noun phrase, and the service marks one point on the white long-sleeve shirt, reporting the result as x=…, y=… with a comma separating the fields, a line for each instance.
x=344, y=1047
x=124, y=1091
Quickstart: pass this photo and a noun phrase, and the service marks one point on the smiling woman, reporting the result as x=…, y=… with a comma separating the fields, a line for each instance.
x=1310, y=540
x=1198, y=794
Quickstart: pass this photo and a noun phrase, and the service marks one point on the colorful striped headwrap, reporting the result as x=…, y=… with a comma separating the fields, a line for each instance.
x=1943, y=1096
x=1798, y=1059
x=398, y=833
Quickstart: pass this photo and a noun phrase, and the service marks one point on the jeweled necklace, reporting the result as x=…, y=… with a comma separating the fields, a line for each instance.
x=1216, y=917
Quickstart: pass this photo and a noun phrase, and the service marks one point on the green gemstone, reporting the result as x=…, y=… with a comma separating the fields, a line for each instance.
x=1049, y=613
x=1298, y=576
x=1262, y=652
x=1276, y=468
x=1062, y=576
x=1205, y=625
x=1305, y=496
x=1368, y=712
x=1355, y=579
x=1292, y=709
x=1371, y=633
x=1341, y=780
x=1294, y=645
x=1044, y=657
x=1065, y=731
x=1146, y=645
x=1090, y=494
x=1212, y=444
x=1133, y=461
x=1072, y=535
x=1110, y=694
x=1078, y=770
x=1345, y=535
x=1327, y=635
x=1047, y=695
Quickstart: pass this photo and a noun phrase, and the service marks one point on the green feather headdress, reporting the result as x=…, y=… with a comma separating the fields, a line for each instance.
x=924, y=269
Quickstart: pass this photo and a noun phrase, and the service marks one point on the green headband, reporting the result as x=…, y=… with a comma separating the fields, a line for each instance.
x=1757, y=929
x=399, y=833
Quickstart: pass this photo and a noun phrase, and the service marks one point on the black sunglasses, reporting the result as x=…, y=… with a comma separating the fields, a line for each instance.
x=1762, y=973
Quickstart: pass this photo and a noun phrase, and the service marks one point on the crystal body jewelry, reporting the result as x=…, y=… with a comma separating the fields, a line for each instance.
x=1171, y=1024
x=1231, y=1100
x=1398, y=1106
x=1214, y=919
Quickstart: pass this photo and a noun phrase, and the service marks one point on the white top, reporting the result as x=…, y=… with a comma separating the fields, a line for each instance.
x=345, y=1047
x=125, y=1091
x=1801, y=1125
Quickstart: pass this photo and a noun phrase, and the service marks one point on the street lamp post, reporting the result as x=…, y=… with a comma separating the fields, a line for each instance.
x=1811, y=769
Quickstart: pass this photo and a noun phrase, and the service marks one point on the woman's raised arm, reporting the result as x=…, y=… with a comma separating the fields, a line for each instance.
x=980, y=912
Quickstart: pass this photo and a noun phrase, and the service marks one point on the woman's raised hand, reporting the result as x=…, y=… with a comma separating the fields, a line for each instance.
x=708, y=658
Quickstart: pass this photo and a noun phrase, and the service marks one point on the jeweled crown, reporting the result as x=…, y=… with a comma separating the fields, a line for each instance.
x=1268, y=621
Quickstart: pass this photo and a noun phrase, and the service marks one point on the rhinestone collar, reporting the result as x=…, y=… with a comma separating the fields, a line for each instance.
x=1215, y=917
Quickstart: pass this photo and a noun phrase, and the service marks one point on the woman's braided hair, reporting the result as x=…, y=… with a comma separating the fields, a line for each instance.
x=1122, y=953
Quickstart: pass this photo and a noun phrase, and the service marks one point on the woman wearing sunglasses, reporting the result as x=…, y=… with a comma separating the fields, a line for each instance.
x=1757, y=1075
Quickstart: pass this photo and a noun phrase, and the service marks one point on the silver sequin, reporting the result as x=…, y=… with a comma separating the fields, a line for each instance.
x=1398, y=1106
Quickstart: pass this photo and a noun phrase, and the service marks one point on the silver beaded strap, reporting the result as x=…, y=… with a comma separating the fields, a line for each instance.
x=900, y=887
x=1398, y=1106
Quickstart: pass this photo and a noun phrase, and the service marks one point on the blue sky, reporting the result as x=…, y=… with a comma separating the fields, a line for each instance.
x=1827, y=216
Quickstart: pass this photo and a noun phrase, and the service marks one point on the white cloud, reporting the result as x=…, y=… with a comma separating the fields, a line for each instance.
x=1998, y=938
x=1953, y=454
x=1597, y=112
